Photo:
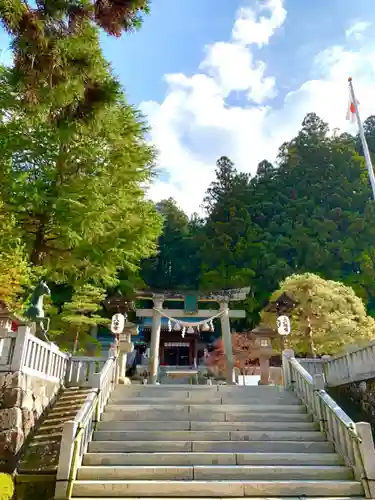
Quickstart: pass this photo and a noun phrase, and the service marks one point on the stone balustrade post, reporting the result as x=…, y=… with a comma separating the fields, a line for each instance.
x=326, y=358
x=65, y=460
x=287, y=378
x=319, y=385
x=367, y=451
x=20, y=347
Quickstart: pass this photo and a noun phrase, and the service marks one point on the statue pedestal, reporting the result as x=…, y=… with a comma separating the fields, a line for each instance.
x=264, y=365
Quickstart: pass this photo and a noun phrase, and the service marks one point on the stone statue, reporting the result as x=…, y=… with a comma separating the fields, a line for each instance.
x=35, y=311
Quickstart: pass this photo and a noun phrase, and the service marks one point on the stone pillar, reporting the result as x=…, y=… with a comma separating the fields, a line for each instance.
x=367, y=452
x=287, y=379
x=155, y=340
x=227, y=340
x=326, y=358
x=264, y=365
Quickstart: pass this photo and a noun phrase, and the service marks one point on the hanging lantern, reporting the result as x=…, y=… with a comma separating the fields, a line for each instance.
x=190, y=329
x=118, y=323
x=169, y=325
x=183, y=332
x=177, y=327
x=205, y=327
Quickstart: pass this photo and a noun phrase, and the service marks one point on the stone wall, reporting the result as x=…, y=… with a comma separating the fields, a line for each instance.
x=357, y=400
x=23, y=399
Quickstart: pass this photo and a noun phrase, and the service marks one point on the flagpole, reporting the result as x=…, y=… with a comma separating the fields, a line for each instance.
x=366, y=151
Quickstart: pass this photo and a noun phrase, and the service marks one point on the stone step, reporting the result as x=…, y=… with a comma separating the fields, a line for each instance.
x=204, y=400
x=144, y=425
x=69, y=393
x=215, y=473
x=194, y=458
x=170, y=392
x=66, y=407
x=221, y=498
x=119, y=415
x=193, y=409
x=57, y=417
x=203, y=388
x=179, y=489
x=274, y=435
x=211, y=446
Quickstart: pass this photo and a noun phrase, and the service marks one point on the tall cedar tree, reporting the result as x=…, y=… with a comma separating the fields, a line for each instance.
x=77, y=196
x=57, y=59
x=73, y=151
x=178, y=262
x=223, y=266
x=312, y=212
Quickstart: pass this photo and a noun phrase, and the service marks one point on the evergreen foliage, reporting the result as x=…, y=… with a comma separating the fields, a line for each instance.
x=74, y=158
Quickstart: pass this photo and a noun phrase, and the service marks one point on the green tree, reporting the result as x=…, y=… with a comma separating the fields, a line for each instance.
x=58, y=64
x=224, y=248
x=77, y=197
x=15, y=271
x=311, y=212
x=177, y=264
x=321, y=199
x=328, y=317
x=71, y=327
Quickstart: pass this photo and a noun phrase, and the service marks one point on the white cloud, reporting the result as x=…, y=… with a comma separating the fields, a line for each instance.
x=195, y=125
x=250, y=28
x=356, y=30
x=232, y=65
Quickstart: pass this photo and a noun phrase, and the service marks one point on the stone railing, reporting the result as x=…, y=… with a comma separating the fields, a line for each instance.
x=31, y=374
x=22, y=351
x=314, y=366
x=353, y=366
x=81, y=370
x=353, y=441
x=77, y=433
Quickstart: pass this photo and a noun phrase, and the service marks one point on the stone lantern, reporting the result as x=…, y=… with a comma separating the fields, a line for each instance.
x=125, y=345
x=283, y=305
x=261, y=338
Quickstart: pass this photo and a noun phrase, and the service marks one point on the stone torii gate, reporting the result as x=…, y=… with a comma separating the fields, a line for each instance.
x=223, y=298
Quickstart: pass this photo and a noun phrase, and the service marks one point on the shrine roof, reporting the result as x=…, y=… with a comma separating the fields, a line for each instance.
x=264, y=331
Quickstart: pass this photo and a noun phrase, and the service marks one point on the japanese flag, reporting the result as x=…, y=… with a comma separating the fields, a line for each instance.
x=351, y=113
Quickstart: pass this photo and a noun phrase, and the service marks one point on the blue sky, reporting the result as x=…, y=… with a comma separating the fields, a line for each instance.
x=173, y=38
x=237, y=77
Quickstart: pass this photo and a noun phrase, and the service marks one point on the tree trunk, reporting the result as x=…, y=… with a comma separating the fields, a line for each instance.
x=39, y=249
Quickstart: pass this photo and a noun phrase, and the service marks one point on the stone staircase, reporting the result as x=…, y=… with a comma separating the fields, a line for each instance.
x=42, y=453
x=210, y=442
